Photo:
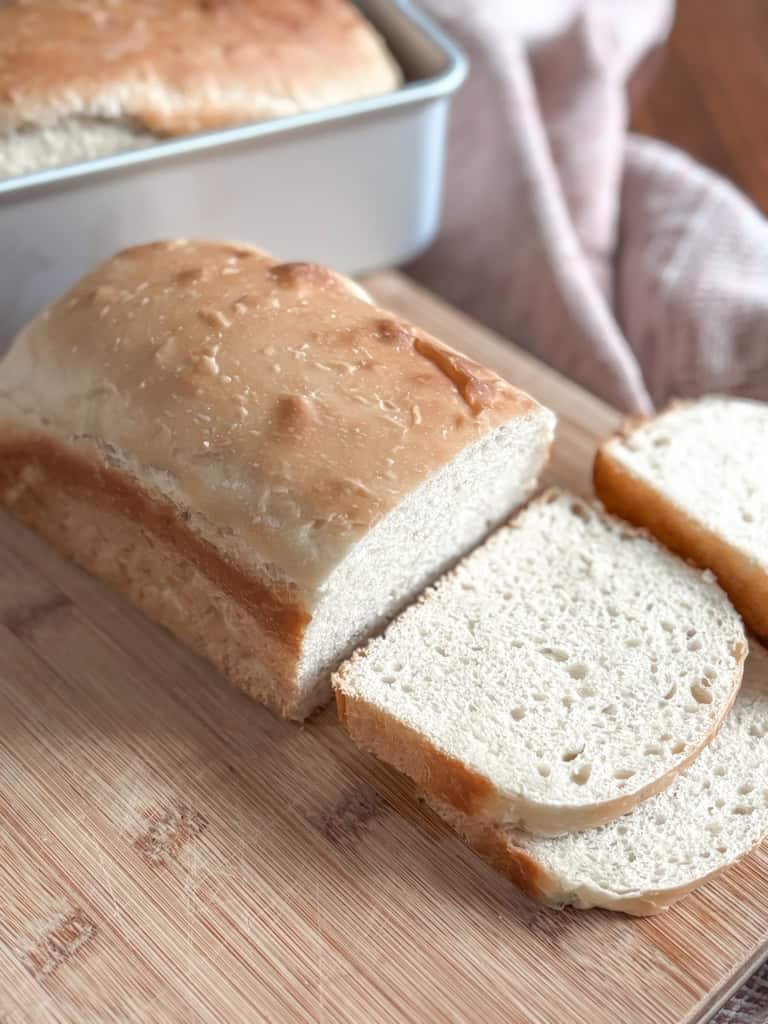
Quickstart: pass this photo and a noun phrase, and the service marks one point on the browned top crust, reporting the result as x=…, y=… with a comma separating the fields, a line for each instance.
x=176, y=66
x=270, y=399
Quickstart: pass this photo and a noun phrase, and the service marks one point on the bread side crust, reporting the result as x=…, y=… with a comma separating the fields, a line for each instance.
x=141, y=545
x=626, y=495
x=443, y=776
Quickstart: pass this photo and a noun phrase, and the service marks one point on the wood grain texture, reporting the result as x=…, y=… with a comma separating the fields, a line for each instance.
x=171, y=852
x=706, y=90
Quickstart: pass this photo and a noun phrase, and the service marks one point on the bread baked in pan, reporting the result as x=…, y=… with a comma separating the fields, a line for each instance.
x=81, y=80
x=265, y=462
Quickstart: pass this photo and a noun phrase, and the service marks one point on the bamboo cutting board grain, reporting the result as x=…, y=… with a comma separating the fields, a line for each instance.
x=170, y=852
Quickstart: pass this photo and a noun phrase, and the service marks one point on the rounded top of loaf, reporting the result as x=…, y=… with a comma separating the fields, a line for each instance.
x=182, y=66
x=272, y=399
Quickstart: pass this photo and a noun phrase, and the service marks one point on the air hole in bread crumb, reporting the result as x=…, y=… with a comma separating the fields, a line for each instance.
x=744, y=788
x=747, y=516
x=710, y=673
x=609, y=711
x=742, y=809
x=468, y=586
x=694, y=645
x=719, y=803
x=700, y=691
x=631, y=856
x=660, y=820
x=667, y=626
x=581, y=775
x=721, y=849
x=556, y=653
x=653, y=750
x=388, y=680
x=539, y=696
x=719, y=771
x=577, y=671
x=678, y=748
x=573, y=753
x=568, y=701
x=586, y=691
x=632, y=642
x=543, y=770
x=660, y=441
x=624, y=773
x=580, y=511
x=671, y=692
x=517, y=713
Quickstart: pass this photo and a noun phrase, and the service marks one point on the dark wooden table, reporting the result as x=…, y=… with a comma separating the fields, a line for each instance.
x=706, y=90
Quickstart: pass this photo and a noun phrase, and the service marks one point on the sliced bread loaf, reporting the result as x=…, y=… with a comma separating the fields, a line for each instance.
x=697, y=477
x=563, y=672
x=710, y=817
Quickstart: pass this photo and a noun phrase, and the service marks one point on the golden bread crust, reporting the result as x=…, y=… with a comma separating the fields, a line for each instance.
x=144, y=547
x=180, y=66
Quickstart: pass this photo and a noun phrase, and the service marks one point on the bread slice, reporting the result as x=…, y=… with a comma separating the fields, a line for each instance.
x=711, y=816
x=696, y=476
x=86, y=79
x=261, y=459
x=565, y=671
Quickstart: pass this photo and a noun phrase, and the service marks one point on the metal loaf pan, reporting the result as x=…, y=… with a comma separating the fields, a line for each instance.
x=356, y=186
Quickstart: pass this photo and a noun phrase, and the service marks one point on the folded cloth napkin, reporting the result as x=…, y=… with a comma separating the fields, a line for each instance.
x=613, y=257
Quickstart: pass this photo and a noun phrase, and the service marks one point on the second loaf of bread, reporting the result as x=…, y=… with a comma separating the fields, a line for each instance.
x=81, y=80
x=262, y=460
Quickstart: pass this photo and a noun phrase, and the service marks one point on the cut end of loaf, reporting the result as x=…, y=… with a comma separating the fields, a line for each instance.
x=437, y=523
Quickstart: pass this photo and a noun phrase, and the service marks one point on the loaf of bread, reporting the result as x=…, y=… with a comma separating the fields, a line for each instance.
x=711, y=816
x=567, y=669
x=696, y=476
x=81, y=80
x=261, y=459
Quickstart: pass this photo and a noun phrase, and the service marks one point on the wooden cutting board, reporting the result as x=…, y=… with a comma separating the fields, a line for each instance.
x=170, y=852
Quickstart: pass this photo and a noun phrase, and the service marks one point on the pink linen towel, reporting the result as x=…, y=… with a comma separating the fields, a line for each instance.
x=614, y=258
